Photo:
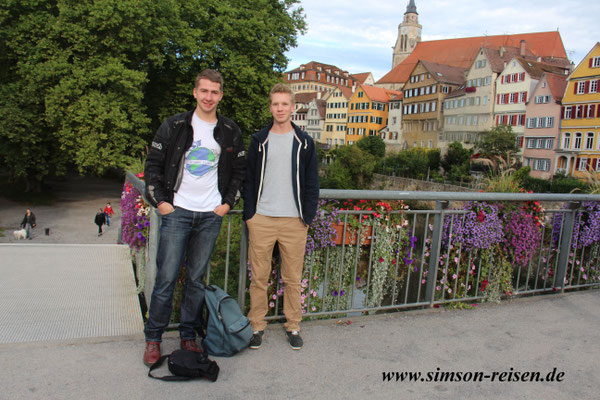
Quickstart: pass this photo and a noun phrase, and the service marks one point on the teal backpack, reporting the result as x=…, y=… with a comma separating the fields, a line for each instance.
x=226, y=330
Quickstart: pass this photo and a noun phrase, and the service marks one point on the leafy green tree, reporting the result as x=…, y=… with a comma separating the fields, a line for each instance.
x=500, y=141
x=456, y=155
x=415, y=162
x=352, y=169
x=373, y=145
x=86, y=83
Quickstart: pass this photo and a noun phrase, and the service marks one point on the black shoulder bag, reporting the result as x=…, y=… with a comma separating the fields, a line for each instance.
x=186, y=365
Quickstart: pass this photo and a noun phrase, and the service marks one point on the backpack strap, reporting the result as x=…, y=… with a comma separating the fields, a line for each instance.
x=168, y=378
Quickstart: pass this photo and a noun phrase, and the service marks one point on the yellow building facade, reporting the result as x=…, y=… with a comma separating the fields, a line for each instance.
x=578, y=152
x=336, y=117
x=368, y=110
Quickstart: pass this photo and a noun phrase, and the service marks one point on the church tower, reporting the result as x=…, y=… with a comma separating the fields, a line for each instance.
x=409, y=34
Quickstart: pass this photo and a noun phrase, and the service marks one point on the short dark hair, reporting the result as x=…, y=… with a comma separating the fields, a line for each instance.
x=282, y=88
x=211, y=75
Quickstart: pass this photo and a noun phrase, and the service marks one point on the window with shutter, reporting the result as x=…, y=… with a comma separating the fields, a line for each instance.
x=568, y=112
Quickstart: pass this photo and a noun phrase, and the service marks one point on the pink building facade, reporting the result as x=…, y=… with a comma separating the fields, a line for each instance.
x=542, y=123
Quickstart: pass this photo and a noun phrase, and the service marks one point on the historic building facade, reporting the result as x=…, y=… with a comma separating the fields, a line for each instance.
x=579, y=147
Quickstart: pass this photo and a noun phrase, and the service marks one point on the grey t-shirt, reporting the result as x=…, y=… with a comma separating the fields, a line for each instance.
x=277, y=198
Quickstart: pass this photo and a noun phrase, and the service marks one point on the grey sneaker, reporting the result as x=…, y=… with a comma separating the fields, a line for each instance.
x=294, y=339
x=256, y=339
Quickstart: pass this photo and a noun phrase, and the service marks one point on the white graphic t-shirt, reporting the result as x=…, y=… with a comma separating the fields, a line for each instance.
x=199, y=185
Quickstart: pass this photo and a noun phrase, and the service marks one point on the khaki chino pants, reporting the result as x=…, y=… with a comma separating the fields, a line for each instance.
x=290, y=233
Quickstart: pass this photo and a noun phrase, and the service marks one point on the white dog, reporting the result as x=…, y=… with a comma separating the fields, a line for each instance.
x=20, y=234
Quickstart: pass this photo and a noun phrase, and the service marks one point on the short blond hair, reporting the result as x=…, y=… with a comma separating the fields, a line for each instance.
x=282, y=88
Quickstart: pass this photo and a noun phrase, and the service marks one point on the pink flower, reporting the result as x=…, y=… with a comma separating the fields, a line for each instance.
x=271, y=304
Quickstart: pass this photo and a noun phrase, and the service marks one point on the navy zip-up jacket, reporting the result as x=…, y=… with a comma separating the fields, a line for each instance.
x=305, y=173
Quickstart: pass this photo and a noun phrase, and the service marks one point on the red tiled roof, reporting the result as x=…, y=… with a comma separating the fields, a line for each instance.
x=445, y=73
x=321, y=104
x=458, y=92
x=307, y=97
x=362, y=77
x=461, y=52
x=346, y=91
x=379, y=94
x=558, y=84
x=536, y=69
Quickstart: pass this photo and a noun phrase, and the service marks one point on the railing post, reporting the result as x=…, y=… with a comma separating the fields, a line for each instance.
x=153, y=235
x=243, y=267
x=565, y=245
x=434, y=252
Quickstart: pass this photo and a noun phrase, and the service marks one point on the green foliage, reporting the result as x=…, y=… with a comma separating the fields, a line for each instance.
x=416, y=162
x=567, y=184
x=352, y=169
x=86, y=83
x=373, y=145
x=499, y=141
x=434, y=160
x=456, y=160
x=521, y=175
x=503, y=182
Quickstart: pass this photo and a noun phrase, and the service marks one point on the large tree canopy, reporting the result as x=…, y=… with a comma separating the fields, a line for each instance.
x=86, y=83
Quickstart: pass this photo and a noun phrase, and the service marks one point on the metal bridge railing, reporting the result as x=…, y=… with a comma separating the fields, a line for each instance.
x=348, y=278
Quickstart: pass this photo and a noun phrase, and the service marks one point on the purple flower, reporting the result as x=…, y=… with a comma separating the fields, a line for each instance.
x=334, y=293
x=342, y=293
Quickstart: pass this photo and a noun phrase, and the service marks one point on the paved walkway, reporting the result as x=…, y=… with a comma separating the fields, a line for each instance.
x=345, y=361
x=56, y=292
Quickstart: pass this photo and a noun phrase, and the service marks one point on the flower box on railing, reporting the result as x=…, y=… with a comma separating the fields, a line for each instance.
x=366, y=234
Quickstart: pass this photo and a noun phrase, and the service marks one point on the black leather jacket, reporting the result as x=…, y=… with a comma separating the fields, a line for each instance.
x=164, y=165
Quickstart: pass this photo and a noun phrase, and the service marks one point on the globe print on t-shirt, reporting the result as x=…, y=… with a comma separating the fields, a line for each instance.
x=199, y=160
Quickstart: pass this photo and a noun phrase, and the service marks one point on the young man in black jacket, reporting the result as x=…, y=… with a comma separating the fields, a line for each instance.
x=193, y=173
x=280, y=201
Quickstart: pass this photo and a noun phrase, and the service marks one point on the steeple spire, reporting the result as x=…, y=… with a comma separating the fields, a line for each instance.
x=411, y=8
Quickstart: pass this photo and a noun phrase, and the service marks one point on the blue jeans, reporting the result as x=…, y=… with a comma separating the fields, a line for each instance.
x=188, y=235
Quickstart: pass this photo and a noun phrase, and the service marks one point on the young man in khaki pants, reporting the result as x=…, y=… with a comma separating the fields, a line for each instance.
x=280, y=201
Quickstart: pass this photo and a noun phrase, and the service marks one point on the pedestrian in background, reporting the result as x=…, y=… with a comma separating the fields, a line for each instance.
x=28, y=222
x=100, y=220
x=108, y=212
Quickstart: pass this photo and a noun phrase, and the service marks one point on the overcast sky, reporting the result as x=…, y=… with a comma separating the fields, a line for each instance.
x=358, y=36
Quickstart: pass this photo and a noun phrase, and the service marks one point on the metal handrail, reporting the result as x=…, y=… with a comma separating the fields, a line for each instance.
x=563, y=273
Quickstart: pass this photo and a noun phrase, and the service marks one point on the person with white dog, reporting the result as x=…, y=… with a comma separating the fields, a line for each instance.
x=28, y=222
